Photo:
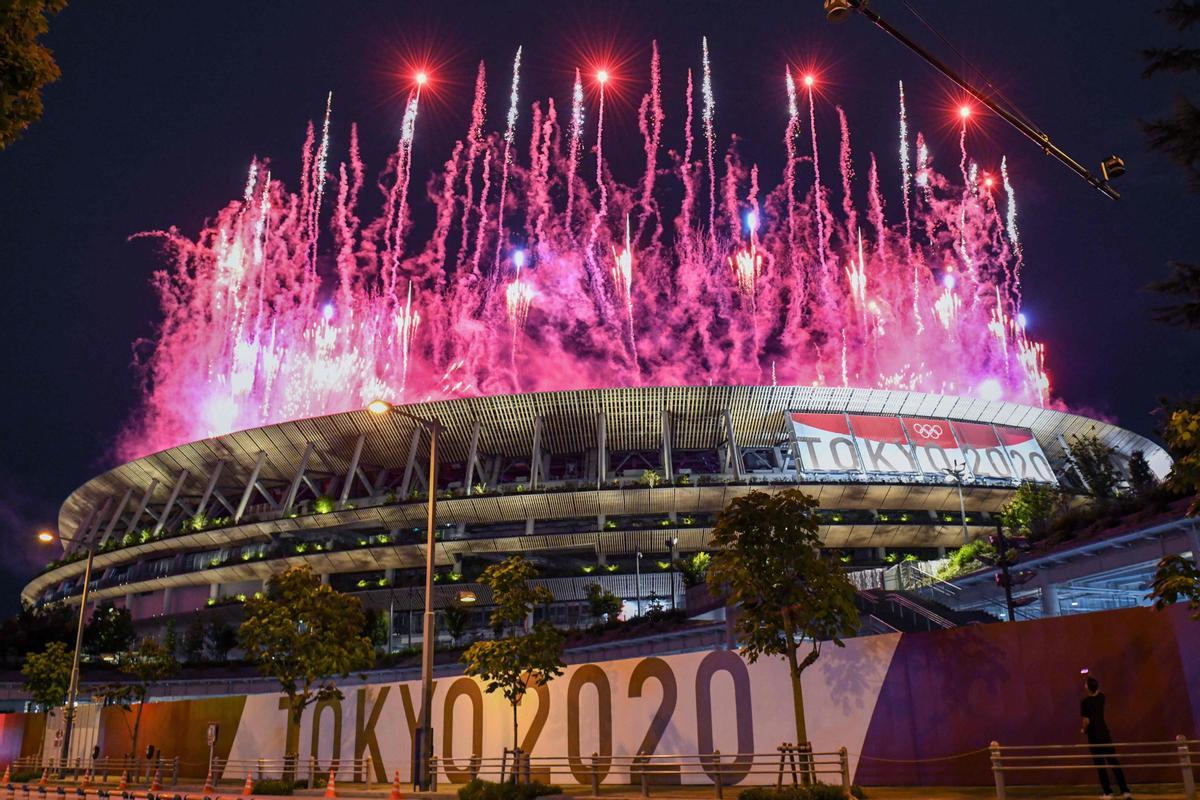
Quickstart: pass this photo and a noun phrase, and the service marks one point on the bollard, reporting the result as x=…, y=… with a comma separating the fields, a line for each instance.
x=1185, y=763
x=175, y=771
x=997, y=771
x=645, y=788
x=844, y=761
x=595, y=776
x=717, y=770
x=368, y=768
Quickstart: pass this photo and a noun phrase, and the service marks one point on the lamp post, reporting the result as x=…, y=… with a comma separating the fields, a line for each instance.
x=423, y=739
x=671, y=544
x=47, y=537
x=958, y=475
x=637, y=566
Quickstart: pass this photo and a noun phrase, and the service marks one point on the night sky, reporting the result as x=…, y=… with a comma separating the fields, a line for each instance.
x=162, y=105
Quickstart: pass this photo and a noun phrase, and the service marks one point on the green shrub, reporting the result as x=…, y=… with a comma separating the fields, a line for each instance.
x=271, y=787
x=25, y=776
x=815, y=791
x=487, y=790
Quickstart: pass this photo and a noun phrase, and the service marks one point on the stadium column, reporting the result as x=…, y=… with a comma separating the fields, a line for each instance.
x=1049, y=593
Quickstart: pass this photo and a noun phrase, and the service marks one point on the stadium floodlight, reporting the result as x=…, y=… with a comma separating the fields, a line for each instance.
x=378, y=406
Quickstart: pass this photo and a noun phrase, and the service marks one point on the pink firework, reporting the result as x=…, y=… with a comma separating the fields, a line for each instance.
x=261, y=324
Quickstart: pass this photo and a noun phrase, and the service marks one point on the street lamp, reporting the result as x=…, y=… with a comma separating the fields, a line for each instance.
x=673, y=555
x=47, y=537
x=423, y=739
x=638, y=569
x=958, y=475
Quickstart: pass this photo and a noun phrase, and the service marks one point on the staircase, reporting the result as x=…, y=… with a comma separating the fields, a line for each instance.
x=909, y=612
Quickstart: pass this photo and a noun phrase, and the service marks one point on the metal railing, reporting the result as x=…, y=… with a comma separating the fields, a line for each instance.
x=294, y=768
x=1181, y=754
x=788, y=763
x=102, y=770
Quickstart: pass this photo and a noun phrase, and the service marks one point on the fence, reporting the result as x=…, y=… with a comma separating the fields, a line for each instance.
x=294, y=768
x=796, y=764
x=1023, y=760
x=103, y=770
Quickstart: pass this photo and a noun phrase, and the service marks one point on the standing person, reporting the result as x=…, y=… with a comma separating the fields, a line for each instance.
x=1104, y=755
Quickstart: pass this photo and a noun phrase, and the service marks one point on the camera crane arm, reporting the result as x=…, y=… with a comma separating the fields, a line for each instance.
x=1111, y=167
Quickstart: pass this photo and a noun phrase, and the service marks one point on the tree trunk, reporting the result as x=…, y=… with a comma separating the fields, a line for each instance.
x=137, y=725
x=516, y=745
x=794, y=672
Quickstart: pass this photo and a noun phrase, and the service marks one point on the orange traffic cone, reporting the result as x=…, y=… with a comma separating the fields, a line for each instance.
x=248, y=786
x=45, y=774
x=123, y=786
x=86, y=780
x=7, y=779
x=396, y=788
x=208, y=784
x=156, y=784
x=330, y=787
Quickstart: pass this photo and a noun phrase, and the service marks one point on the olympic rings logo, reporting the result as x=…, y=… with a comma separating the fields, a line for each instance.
x=927, y=431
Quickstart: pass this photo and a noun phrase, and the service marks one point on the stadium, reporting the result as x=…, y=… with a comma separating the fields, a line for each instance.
x=604, y=486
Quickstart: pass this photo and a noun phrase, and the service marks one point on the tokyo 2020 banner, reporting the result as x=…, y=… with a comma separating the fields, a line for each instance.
x=828, y=444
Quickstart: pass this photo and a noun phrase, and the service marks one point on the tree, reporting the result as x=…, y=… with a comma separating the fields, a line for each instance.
x=1030, y=510
x=456, y=618
x=1178, y=137
x=1182, y=435
x=1176, y=578
x=47, y=675
x=26, y=65
x=1093, y=460
x=1182, y=287
x=34, y=627
x=219, y=639
x=110, y=631
x=602, y=603
x=513, y=664
x=693, y=569
x=144, y=666
x=375, y=627
x=767, y=560
x=193, y=641
x=1142, y=479
x=303, y=633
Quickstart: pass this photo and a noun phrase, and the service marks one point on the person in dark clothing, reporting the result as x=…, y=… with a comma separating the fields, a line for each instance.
x=1104, y=755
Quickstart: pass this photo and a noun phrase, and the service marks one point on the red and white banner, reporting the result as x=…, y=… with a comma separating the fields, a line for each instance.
x=1025, y=454
x=841, y=443
x=825, y=443
x=882, y=444
x=935, y=445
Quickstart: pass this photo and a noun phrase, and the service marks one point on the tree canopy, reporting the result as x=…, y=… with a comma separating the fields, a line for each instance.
x=305, y=634
x=47, y=675
x=26, y=65
x=514, y=663
x=143, y=666
x=110, y=631
x=767, y=561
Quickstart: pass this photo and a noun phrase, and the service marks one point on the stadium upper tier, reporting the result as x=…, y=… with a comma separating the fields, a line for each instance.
x=605, y=473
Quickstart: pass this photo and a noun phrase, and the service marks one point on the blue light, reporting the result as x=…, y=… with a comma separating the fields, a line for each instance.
x=518, y=258
x=948, y=281
x=1022, y=320
x=327, y=311
x=751, y=221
